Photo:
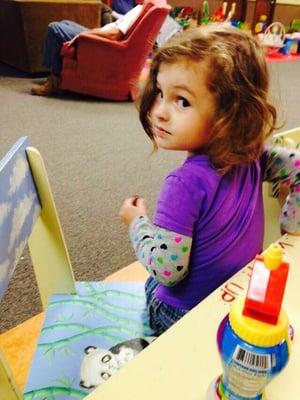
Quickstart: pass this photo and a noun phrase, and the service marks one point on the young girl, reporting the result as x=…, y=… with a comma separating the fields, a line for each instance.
x=207, y=95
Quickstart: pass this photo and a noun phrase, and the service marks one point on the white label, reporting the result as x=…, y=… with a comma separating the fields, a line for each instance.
x=259, y=362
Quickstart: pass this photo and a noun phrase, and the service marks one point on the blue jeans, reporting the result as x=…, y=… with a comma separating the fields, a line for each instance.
x=57, y=34
x=161, y=315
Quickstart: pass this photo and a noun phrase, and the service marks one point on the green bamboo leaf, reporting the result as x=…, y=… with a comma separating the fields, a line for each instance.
x=106, y=332
x=65, y=381
x=54, y=391
x=65, y=318
x=66, y=351
x=99, y=310
x=69, y=325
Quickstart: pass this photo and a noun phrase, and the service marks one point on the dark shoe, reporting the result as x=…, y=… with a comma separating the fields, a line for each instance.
x=51, y=86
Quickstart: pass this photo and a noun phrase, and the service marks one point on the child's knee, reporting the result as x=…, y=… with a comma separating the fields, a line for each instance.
x=59, y=28
x=54, y=28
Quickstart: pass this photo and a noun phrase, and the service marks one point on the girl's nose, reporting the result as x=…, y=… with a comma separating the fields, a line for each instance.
x=160, y=110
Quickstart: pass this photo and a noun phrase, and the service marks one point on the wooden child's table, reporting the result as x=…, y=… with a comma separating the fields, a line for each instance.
x=182, y=363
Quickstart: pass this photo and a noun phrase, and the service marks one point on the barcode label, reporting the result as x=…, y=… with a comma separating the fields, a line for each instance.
x=250, y=359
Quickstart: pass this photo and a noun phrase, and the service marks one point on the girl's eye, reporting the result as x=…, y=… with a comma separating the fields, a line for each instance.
x=159, y=94
x=182, y=102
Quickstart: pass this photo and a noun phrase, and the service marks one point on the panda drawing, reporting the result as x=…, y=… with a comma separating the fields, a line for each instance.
x=98, y=364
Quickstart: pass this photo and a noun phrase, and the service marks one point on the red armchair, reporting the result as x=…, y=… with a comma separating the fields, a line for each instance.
x=110, y=69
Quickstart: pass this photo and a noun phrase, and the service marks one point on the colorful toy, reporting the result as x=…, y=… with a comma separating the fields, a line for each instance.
x=205, y=13
x=266, y=287
x=194, y=19
x=273, y=38
x=253, y=339
x=183, y=15
x=219, y=15
x=295, y=26
x=291, y=44
x=261, y=25
x=231, y=12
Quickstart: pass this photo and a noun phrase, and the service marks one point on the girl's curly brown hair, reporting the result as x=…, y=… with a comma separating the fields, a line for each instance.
x=238, y=78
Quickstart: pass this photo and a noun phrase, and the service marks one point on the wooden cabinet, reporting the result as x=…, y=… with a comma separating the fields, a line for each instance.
x=23, y=26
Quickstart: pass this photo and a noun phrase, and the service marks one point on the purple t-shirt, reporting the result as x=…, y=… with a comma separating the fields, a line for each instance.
x=224, y=216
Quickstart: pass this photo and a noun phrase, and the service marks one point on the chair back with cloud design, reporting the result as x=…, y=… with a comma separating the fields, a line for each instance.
x=78, y=315
x=28, y=215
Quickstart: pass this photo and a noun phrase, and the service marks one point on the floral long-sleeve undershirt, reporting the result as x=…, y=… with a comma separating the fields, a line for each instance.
x=283, y=165
x=165, y=254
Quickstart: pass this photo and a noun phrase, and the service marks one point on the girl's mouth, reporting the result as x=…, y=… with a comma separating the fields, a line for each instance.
x=160, y=132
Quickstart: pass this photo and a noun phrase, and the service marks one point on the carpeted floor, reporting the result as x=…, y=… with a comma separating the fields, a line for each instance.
x=96, y=154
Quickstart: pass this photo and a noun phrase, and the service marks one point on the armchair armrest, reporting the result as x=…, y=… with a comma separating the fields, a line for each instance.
x=68, y=51
x=69, y=48
x=101, y=51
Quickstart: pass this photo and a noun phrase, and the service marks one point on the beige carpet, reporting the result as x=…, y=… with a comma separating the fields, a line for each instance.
x=96, y=154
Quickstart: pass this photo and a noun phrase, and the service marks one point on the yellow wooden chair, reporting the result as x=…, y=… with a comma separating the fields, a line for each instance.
x=28, y=215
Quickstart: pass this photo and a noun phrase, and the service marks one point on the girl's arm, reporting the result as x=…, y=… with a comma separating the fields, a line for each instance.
x=165, y=254
x=282, y=165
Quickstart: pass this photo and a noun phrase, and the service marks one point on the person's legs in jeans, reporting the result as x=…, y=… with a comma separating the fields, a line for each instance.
x=161, y=315
x=57, y=34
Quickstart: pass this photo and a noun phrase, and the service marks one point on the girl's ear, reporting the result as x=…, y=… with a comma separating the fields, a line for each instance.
x=140, y=202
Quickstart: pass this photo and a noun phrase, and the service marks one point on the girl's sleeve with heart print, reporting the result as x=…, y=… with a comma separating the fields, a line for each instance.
x=164, y=254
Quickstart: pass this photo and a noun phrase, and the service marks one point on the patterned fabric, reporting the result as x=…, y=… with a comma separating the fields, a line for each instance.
x=164, y=254
x=100, y=315
x=19, y=209
x=283, y=165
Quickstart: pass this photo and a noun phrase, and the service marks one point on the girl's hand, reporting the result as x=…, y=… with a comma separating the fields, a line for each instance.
x=131, y=208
